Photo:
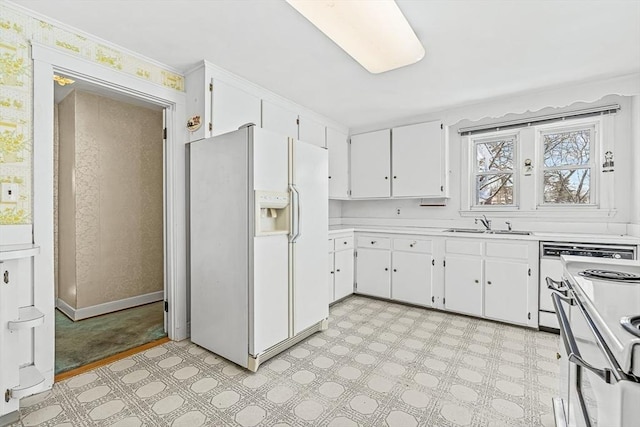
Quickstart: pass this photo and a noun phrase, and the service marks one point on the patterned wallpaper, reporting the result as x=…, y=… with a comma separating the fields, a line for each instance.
x=17, y=29
x=113, y=248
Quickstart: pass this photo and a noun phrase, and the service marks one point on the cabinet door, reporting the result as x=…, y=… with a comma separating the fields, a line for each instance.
x=373, y=272
x=370, y=164
x=463, y=284
x=506, y=281
x=280, y=120
x=338, y=147
x=232, y=107
x=312, y=132
x=343, y=284
x=9, y=303
x=331, y=279
x=411, y=278
x=418, y=167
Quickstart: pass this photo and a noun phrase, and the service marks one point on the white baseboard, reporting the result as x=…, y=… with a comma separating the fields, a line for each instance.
x=107, y=307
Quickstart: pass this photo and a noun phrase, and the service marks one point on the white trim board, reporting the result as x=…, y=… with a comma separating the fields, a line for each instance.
x=107, y=307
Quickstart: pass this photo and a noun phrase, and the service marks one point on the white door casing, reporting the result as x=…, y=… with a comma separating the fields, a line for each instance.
x=46, y=61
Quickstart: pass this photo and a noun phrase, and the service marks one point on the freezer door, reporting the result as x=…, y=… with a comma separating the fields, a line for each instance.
x=309, y=252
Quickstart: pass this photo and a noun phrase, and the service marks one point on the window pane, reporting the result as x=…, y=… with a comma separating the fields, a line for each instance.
x=495, y=155
x=494, y=189
x=567, y=148
x=567, y=186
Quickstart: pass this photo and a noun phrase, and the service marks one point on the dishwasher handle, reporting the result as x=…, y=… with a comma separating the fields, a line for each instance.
x=570, y=345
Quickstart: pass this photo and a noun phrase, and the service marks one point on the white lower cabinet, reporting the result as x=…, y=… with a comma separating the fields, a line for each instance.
x=373, y=269
x=505, y=295
x=463, y=284
x=411, y=278
x=341, y=276
x=493, y=279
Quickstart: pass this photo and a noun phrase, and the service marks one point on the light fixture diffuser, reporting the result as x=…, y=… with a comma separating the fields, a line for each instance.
x=374, y=32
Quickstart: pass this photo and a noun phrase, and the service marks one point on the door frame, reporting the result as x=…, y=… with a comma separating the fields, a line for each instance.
x=46, y=61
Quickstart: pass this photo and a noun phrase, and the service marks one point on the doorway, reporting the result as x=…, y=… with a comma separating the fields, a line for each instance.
x=108, y=222
x=47, y=61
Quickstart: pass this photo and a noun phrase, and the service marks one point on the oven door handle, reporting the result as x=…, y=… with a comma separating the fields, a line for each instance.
x=571, y=346
x=557, y=286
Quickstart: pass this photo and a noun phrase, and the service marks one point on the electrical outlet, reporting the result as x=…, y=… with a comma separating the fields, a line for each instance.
x=397, y=211
x=8, y=192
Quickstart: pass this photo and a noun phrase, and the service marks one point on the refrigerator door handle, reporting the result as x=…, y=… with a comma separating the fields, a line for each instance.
x=295, y=214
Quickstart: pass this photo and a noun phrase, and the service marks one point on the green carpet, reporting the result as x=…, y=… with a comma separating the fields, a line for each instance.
x=85, y=341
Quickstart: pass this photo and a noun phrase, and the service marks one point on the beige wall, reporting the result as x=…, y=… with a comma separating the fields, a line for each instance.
x=116, y=205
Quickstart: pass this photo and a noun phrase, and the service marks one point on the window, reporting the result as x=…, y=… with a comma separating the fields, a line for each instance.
x=494, y=162
x=567, y=164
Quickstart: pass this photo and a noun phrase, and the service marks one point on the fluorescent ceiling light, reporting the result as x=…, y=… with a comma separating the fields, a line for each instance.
x=374, y=32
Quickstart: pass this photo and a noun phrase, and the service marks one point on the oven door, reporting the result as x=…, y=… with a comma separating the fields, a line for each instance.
x=593, y=396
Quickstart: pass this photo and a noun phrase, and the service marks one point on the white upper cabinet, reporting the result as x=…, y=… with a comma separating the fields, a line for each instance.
x=338, y=147
x=418, y=160
x=231, y=108
x=312, y=132
x=371, y=164
x=280, y=120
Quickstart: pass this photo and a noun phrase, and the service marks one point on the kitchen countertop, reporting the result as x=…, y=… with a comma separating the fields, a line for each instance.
x=535, y=236
x=8, y=252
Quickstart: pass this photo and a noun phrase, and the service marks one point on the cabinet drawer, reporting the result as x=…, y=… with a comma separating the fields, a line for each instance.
x=508, y=250
x=464, y=247
x=343, y=243
x=374, y=242
x=412, y=245
x=330, y=245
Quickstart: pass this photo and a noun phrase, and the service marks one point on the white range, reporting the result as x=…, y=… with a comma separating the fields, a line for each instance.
x=598, y=309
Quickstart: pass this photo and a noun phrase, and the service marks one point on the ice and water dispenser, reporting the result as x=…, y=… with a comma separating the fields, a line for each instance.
x=272, y=213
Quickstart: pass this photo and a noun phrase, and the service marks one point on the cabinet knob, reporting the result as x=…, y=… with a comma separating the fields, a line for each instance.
x=6, y=277
x=373, y=242
x=329, y=177
x=412, y=244
x=386, y=177
x=394, y=177
x=386, y=269
x=488, y=282
x=476, y=281
x=331, y=272
x=558, y=356
x=338, y=270
x=395, y=270
x=344, y=243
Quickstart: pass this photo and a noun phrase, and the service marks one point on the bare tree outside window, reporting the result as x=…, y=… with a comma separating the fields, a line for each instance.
x=567, y=166
x=494, y=171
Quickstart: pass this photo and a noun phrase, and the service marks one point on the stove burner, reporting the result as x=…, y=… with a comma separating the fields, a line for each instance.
x=631, y=324
x=616, y=276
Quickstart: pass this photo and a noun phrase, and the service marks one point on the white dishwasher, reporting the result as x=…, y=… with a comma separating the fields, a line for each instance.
x=551, y=266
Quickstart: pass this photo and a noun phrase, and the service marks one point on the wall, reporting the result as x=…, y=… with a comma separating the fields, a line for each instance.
x=634, y=228
x=111, y=200
x=17, y=29
x=383, y=212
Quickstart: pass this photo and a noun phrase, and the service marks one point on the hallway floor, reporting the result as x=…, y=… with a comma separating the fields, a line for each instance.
x=89, y=340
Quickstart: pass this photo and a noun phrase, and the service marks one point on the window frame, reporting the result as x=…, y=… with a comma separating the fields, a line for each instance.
x=474, y=140
x=594, y=153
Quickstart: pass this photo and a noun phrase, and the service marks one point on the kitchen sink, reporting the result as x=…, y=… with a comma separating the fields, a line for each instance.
x=476, y=231
x=514, y=232
x=464, y=230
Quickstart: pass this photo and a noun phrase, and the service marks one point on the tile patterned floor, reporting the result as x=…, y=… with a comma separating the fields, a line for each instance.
x=378, y=364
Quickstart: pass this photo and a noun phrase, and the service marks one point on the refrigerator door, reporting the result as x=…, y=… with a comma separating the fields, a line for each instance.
x=219, y=211
x=309, y=176
x=269, y=294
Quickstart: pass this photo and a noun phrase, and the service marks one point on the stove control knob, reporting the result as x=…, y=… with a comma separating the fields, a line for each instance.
x=617, y=256
x=558, y=356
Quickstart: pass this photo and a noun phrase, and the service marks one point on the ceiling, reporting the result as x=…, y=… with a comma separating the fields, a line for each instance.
x=475, y=50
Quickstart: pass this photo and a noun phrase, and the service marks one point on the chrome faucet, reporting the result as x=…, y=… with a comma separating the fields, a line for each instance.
x=486, y=222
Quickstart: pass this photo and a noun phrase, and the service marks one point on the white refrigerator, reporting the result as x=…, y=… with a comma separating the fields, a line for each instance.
x=258, y=220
